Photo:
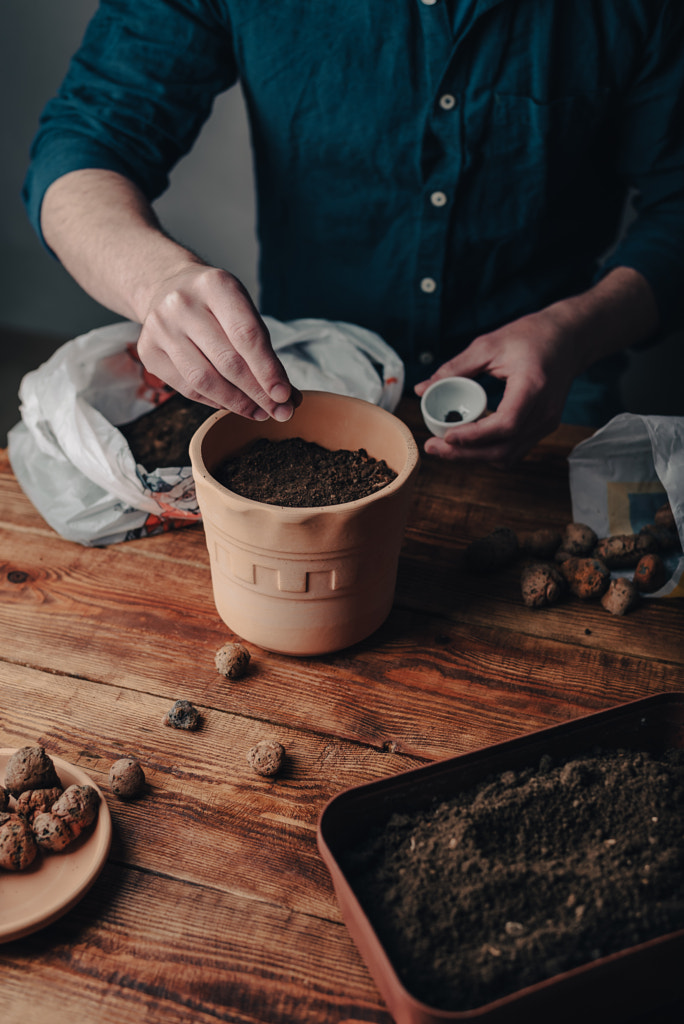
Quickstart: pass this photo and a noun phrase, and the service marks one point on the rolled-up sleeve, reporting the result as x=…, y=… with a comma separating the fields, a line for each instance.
x=135, y=96
x=651, y=160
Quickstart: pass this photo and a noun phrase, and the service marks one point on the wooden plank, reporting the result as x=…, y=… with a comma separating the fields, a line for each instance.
x=204, y=807
x=106, y=589
x=434, y=580
x=164, y=643
x=541, y=476
x=144, y=948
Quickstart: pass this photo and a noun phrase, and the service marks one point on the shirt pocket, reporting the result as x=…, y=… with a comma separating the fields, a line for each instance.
x=532, y=156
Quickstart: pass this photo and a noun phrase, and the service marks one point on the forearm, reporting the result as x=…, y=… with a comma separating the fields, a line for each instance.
x=538, y=356
x=616, y=313
x=200, y=330
x=105, y=233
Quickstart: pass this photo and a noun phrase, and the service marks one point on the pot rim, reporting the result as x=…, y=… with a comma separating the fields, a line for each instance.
x=410, y=467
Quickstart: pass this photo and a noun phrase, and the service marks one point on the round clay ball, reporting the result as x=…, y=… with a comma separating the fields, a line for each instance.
x=30, y=768
x=126, y=778
x=266, y=758
x=4, y=798
x=232, y=661
x=52, y=833
x=578, y=539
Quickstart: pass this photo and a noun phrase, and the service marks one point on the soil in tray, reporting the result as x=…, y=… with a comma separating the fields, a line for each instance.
x=301, y=474
x=528, y=874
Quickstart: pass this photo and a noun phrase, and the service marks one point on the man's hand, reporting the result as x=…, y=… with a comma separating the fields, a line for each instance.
x=200, y=331
x=204, y=337
x=537, y=360
x=538, y=357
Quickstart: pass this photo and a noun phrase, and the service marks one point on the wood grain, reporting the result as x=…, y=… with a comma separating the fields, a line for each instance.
x=215, y=904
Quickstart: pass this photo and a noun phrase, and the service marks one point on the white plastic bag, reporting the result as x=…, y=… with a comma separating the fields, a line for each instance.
x=621, y=475
x=76, y=466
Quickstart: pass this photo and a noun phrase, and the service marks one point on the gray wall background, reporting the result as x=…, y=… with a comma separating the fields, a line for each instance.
x=210, y=207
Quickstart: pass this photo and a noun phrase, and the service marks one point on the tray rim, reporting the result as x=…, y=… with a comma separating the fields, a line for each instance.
x=421, y=1011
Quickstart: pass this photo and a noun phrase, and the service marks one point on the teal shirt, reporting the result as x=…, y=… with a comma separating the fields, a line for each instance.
x=426, y=169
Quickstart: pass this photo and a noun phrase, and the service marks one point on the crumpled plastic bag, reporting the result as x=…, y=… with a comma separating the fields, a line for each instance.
x=621, y=475
x=76, y=466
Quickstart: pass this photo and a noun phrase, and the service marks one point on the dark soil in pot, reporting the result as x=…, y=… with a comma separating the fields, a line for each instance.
x=291, y=472
x=301, y=474
x=527, y=875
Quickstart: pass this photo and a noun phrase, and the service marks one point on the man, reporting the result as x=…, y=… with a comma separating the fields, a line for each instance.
x=449, y=173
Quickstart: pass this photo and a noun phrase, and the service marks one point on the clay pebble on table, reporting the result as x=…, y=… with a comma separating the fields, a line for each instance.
x=232, y=660
x=266, y=757
x=576, y=562
x=127, y=778
x=182, y=715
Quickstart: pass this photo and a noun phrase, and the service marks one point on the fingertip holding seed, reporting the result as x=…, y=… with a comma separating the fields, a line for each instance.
x=280, y=393
x=283, y=413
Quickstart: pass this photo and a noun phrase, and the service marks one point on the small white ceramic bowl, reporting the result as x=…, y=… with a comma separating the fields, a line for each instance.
x=450, y=402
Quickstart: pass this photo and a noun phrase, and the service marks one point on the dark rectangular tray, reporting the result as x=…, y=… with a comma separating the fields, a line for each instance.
x=634, y=981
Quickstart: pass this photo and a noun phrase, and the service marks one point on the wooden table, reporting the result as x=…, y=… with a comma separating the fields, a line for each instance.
x=214, y=904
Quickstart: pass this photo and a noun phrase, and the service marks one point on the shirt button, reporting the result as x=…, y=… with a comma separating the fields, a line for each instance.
x=438, y=198
x=428, y=3
x=426, y=357
x=447, y=101
x=428, y=285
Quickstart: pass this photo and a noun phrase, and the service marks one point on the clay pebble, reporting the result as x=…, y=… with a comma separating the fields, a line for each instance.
x=541, y=585
x=52, y=833
x=30, y=768
x=183, y=715
x=35, y=801
x=650, y=573
x=127, y=778
x=232, y=660
x=578, y=539
x=77, y=806
x=542, y=543
x=620, y=597
x=587, y=577
x=266, y=757
x=624, y=550
x=18, y=847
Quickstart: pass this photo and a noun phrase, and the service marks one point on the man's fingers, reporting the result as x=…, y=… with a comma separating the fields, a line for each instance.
x=210, y=341
x=503, y=437
x=239, y=321
x=191, y=385
x=468, y=363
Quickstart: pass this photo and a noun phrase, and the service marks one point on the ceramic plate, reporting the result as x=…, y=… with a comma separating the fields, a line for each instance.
x=55, y=882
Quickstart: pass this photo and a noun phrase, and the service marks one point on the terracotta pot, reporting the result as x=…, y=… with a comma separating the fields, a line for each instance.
x=306, y=581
